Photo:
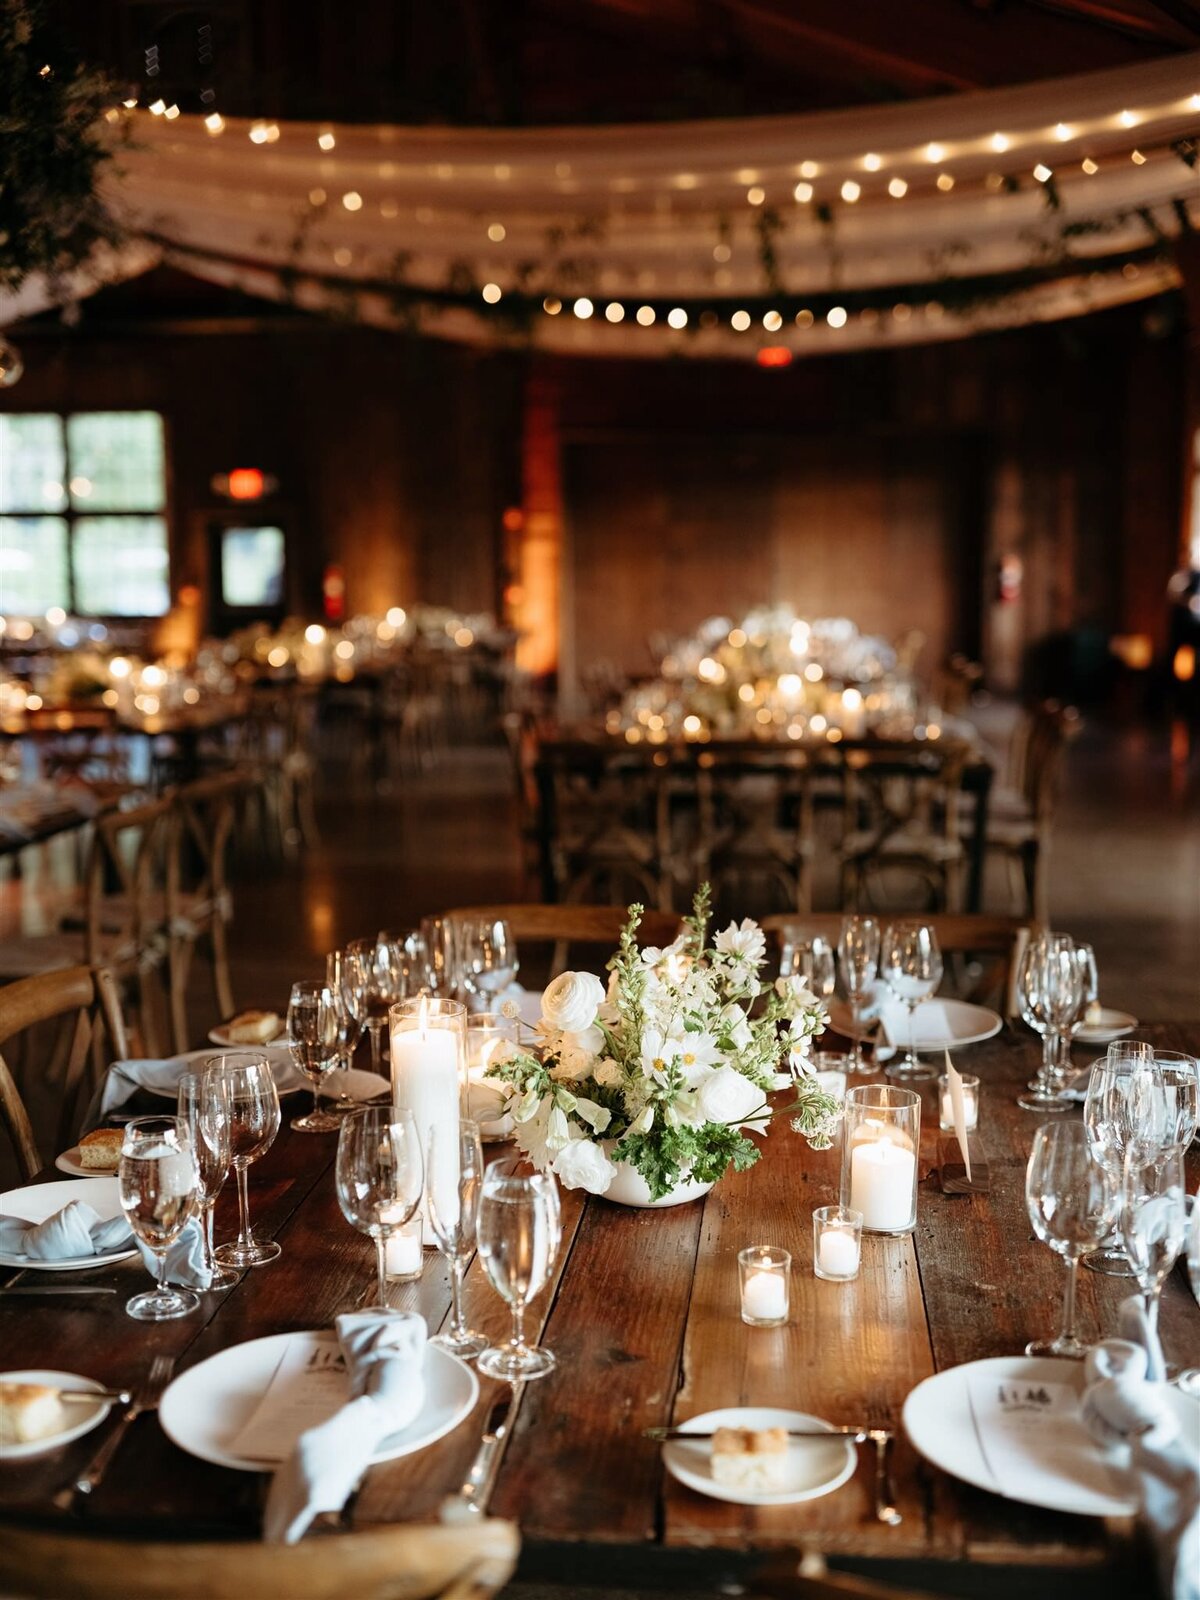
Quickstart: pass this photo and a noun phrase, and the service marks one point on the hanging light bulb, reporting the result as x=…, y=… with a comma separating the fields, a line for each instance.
x=11, y=365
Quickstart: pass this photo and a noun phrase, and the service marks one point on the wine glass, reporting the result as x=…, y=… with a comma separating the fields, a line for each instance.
x=812, y=960
x=377, y=976
x=312, y=1035
x=253, y=1124
x=1118, y=1113
x=1072, y=1200
x=858, y=957
x=1049, y=986
x=1180, y=1075
x=520, y=1228
x=453, y=1211
x=911, y=966
x=203, y=1106
x=157, y=1183
x=1153, y=1220
x=349, y=1026
x=488, y=961
x=443, y=972
x=380, y=1176
x=1089, y=991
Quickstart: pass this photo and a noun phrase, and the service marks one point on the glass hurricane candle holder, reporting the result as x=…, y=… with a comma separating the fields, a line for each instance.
x=429, y=1078
x=970, y=1094
x=881, y=1138
x=837, y=1243
x=764, y=1275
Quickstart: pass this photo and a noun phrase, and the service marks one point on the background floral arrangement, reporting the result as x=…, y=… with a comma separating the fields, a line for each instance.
x=667, y=1069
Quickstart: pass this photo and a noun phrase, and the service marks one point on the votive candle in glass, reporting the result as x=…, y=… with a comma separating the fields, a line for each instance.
x=764, y=1273
x=403, y=1255
x=881, y=1137
x=970, y=1094
x=837, y=1243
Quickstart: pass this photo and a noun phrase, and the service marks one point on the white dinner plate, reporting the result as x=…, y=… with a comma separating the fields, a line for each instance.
x=939, y=1422
x=967, y=1024
x=82, y=1415
x=288, y=1077
x=206, y=1408
x=813, y=1467
x=220, y=1035
x=42, y=1200
x=1112, y=1025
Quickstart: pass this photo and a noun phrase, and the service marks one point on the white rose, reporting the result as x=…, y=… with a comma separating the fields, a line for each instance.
x=583, y=1165
x=609, y=1074
x=726, y=1096
x=572, y=1000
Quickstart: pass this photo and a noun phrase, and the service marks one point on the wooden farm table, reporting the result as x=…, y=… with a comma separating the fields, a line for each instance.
x=643, y=1317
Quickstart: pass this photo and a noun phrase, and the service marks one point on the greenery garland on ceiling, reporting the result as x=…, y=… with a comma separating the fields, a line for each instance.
x=55, y=141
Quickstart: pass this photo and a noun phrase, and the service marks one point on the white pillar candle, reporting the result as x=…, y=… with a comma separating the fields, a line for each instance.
x=838, y=1253
x=425, y=1081
x=881, y=1185
x=764, y=1296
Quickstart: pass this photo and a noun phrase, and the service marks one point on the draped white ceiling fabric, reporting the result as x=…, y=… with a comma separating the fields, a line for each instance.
x=929, y=219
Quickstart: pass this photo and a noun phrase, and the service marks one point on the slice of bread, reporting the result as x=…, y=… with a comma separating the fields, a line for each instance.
x=750, y=1458
x=100, y=1150
x=253, y=1027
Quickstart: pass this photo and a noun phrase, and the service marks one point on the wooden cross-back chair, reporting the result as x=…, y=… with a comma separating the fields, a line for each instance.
x=901, y=821
x=756, y=827
x=404, y=1562
x=207, y=811
x=592, y=931
x=96, y=1034
x=980, y=951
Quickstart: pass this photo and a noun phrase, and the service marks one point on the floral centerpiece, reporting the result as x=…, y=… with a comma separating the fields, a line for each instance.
x=665, y=1071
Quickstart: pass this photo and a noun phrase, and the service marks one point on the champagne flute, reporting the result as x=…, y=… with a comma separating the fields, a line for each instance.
x=349, y=1026
x=911, y=966
x=380, y=1176
x=1123, y=1089
x=1049, y=986
x=203, y=1107
x=1153, y=1220
x=253, y=1124
x=858, y=957
x=520, y=1229
x=312, y=1034
x=453, y=1211
x=488, y=960
x=157, y=1183
x=1072, y=1200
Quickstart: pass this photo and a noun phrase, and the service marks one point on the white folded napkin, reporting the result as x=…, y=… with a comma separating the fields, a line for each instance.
x=1125, y=1403
x=124, y=1078
x=79, y=1230
x=385, y=1359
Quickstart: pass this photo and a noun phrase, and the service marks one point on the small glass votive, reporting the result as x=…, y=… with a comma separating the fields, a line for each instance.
x=970, y=1094
x=403, y=1255
x=837, y=1243
x=765, y=1274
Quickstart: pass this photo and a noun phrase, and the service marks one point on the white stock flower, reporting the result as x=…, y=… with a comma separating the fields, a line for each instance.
x=746, y=943
x=572, y=1000
x=725, y=1096
x=583, y=1165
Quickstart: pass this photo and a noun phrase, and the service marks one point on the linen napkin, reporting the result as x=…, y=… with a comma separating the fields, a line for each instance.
x=385, y=1355
x=1125, y=1403
x=124, y=1078
x=79, y=1230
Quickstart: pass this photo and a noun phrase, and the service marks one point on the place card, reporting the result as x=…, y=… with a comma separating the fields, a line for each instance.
x=307, y=1387
x=1034, y=1441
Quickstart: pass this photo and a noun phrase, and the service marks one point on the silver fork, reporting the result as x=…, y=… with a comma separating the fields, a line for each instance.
x=886, y=1509
x=146, y=1399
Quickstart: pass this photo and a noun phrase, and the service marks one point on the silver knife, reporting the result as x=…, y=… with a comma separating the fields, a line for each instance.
x=471, y=1500
x=146, y=1399
x=55, y=1288
x=857, y=1434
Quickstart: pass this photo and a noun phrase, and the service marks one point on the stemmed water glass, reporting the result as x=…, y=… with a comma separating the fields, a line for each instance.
x=487, y=959
x=858, y=958
x=313, y=1039
x=1089, y=991
x=453, y=1211
x=812, y=960
x=1049, y=986
x=1124, y=1110
x=376, y=976
x=1072, y=1200
x=380, y=1175
x=911, y=966
x=520, y=1229
x=253, y=1124
x=1153, y=1220
x=349, y=1027
x=443, y=971
x=1180, y=1074
x=203, y=1107
x=157, y=1183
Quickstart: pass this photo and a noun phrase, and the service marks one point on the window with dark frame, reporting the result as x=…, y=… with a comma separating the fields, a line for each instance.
x=83, y=514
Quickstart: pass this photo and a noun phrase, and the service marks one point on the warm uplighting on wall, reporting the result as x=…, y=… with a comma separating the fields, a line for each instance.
x=774, y=355
x=1184, y=664
x=1133, y=650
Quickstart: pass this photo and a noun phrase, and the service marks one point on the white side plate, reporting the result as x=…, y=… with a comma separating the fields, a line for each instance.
x=813, y=1467
x=83, y=1416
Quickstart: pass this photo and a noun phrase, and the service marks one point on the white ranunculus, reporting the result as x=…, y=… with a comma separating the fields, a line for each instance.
x=588, y=1040
x=609, y=1073
x=572, y=1000
x=583, y=1165
x=726, y=1096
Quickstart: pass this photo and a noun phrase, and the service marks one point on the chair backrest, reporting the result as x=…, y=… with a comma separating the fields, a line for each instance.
x=886, y=791
x=983, y=949
x=1051, y=728
x=92, y=997
x=406, y=1562
x=207, y=813
x=132, y=867
x=596, y=930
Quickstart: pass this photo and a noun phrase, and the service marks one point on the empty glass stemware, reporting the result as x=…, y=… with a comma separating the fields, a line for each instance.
x=203, y=1107
x=1119, y=1114
x=253, y=1124
x=1089, y=991
x=1072, y=1200
x=443, y=972
x=157, y=1184
x=377, y=975
x=380, y=1176
x=1179, y=1074
x=1153, y=1220
x=520, y=1229
x=349, y=1023
x=812, y=960
x=453, y=1211
x=1049, y=985
x=911, y=966
x=312, y=1033
x=858, y=958
x=487, y=960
